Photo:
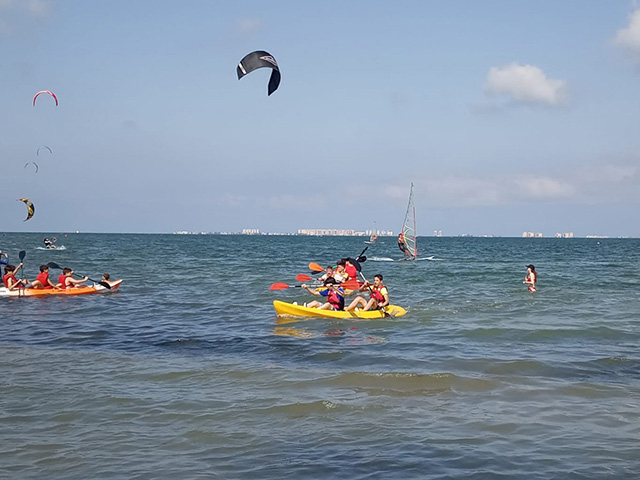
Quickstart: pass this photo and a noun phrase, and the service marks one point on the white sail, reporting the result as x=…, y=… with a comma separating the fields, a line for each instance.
x=409, y=227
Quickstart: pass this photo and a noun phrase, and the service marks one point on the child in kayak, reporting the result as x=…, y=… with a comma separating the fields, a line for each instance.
x=378, y=293
x=66, y=280
x=9, y=279
x=43, y=280
x=334, y=294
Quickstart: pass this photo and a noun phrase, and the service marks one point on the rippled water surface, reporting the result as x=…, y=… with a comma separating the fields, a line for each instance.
x=186, y=372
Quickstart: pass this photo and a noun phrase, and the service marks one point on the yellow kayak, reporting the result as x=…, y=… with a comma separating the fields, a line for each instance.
x=290, y=309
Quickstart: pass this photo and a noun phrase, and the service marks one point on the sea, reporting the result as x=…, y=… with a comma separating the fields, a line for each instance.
x=186, y=372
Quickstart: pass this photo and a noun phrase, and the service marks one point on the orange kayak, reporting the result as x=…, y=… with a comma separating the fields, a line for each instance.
x=39, y=292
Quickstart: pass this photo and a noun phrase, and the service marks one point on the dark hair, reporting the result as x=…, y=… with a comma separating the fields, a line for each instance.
x=9, y=268
x=330, y=281
x=106, y=276
x=378, y=275
x=341, y=262
x=43, y=268
x=66, y=270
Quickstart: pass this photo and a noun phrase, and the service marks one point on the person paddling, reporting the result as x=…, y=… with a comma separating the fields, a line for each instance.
x=9, y=278
x=66, y=280
x=379, y=296
x=334, y=294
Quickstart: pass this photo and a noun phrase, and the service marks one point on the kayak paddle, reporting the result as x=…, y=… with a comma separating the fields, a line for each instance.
x=314, y=267
x=303, y=278
x=58, y=267
x=21, y=256
x=283, y=286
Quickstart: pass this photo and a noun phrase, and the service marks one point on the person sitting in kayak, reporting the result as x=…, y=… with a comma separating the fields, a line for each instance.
x=66, y=280
x=339, y=273
x=350, y=268
x=105, y=278
x=48, y=243
x=328, y=273
x=334, y=294
x=9, y=279
x=378, y=293
x=402, y=245
x=43, y=280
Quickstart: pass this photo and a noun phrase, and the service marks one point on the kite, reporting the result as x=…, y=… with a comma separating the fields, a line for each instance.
x=260, y=59
x=40, y=148
x=48, y=92
x=30, y=208
x=31, y=163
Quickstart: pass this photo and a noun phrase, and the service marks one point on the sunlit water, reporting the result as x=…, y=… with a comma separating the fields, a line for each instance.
x=186, y=373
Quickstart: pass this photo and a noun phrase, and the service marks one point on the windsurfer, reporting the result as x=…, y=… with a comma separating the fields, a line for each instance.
x=402, y=245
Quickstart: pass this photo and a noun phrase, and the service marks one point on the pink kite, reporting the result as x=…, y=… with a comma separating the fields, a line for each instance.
x=45, y=91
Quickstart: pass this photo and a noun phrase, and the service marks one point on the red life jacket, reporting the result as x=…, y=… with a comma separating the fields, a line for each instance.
x=351, y=271
x=61, y=279
x=6, y=278
x=375, y=293
x=336, y=300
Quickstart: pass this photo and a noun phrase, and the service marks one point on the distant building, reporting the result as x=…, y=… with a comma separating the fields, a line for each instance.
x=564, y=235
x=336, y=232
x=532, y=235
x=250, y=231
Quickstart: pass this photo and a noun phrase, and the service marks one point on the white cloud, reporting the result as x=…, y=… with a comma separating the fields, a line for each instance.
x=248, y=25
x=526, y=84
x=629, y=38
x=537, y=187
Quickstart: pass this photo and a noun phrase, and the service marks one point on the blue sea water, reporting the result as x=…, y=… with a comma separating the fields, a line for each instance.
x=186, y=372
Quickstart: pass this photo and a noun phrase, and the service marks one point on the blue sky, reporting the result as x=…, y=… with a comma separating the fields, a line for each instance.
x=506, y=115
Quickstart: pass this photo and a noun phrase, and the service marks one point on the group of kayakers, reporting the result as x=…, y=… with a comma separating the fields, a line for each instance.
x=345, y=273
x=65, y=279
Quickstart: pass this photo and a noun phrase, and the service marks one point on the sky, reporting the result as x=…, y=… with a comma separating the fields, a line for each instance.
x=508, y=116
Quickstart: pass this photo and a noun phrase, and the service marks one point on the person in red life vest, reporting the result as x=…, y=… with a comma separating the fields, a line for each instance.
x=66, y=280
x=531, y=278
x=378, y=293
x=334, y=294
x=9, y=278
x=350, y=268
x=43, y=280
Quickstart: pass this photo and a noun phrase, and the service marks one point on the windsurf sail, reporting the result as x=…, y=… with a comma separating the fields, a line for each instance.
x=374, y=234
x=409, y=228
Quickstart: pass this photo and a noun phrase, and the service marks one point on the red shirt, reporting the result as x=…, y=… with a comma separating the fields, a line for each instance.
x=61, y=279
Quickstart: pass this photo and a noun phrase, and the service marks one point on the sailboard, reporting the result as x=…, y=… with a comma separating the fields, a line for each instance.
x=409, y=228
x=374, y=235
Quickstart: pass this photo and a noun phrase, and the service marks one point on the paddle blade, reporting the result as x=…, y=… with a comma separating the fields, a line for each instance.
x=21, y=255
x=303, y=278
x=351, y=285
x=279, y=286
x=314, y=267
x=54, y=265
